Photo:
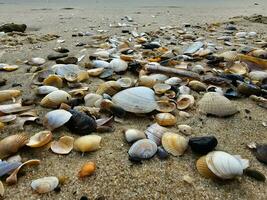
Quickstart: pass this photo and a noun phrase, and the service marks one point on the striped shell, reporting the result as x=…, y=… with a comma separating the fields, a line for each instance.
x=165, y=119
x=143, y=149
x=174, y=143
x=155, y=132
x=109, y=87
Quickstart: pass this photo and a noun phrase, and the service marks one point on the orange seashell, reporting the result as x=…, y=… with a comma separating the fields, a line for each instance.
x=87, y=169
x=203, y=169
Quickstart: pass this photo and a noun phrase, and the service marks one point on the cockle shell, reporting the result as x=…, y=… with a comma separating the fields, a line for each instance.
x=109, y=87
x=222, y=165
x=87, y=169
x=53, y=80
x=56, y=118
x=216, y=104
x=229, y=56
x=143, y=149
x=185, y=101
x=11, y=144
x=46, y=89
x=40, y=139
x=155, y=132
x=118, y=65
x=132, y=135
x=166, y=106
x=45, y=185
x=9, y=94
x=136, y=100
x=174, y=143
x=161, y=88
x=87, y=143
x=93, y=100
x=197, y=86
x=185, y=129
x=54, y=99
x=165, y=119
x=63, y=146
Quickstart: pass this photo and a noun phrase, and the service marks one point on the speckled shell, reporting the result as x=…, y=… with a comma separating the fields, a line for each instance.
x=136, y=100
x=109, y=87
x=165, y=119
x=63, y=146
x=56, y=118
x=54, y=99
x=46, y=89
x=155, y=132
x=118, y=65
x=40, y=139
x=132, y=135
x=53, y=80
x=9, y=94
x=87, y=143
x=216, y=104
x=143, y=149
x=45, y=185
x=174, y=143
x=185, y=101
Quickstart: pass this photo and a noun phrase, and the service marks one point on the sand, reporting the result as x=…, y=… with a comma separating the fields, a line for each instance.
x=116, y=177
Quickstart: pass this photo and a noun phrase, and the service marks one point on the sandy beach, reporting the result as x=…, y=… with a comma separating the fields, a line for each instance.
x=116, y=177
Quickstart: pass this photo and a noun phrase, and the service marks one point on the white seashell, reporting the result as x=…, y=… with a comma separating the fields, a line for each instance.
x=136, y=100
x=185, y=101
x=7, y=118
x=252, y=34
x=217, y=89
x=13, y=108
x=63, y=146
x=91, y=99
x=36, y=61
x=159, y=77
x=184, y=114
x=132, y=135
x=184, y=90
x=198, y=69
x=56, y=118
x=174, y=144
x=45, y=185
x=155, y=132
x=118, y=65
x=101, y=54
x=173, y=81
x=2, y=189
x=43, y=90
x=87, y=143
x=241, y=34
x=100, y=64
x=143, y=149
x=54, y=99
x=185, y=129
x=258, y=75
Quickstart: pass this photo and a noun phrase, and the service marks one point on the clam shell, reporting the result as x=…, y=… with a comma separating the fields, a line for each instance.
x=13, y=108
x=11, y=144
x=36, y=61
x=173, y=81
x=53, y=80
x=7, y=167
x=165, y=106
x=258, y=75
x=125, y=82
x=45, y=185
x=109, y=87
x=238, y=68
x=184, y=114
x=87, y=169
x=95, y=72
x=146, y=81
x=92, y=100
x=161, y=88
x=100, y=64
x=174, y=143
x=143, y=149
x=185, y=101
x=63, y=146
x=43, y=90
x=136, y=100
x=216, y=104
x=197, y=86
x=165, y=119
x=56, y=118
x=87, y=143
x=54, y=99
x=118, y=65
x=155, y=132
x=40, y=139
x=159, y=77
x=9, y=94
x=7, y=118
x=132, y=135
x=229, y=56
x=184, y=90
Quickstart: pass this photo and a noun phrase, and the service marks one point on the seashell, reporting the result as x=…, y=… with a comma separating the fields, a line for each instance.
x=216, y=104
x=87, y=143
x=11, y=144
x=185, y=101
x=159, y=77
x=53, y=80
x=7, y=118
x=238, y=68
x=222, y=165
x=114, y=109
x=7, y=167
x=9, y=94
x=165, y=119
x=101, y=54
x=71, y=77
x=95, y=72
x=174, y=143
x=136, y=100
x=118, y=65
x=43, y=90
x=87, y=169
x=40, y=139
x=155, y=132
x=143, y=149
x=241, y=34
x=184, y=90
x=56, y=118
x=161, y=88
x=165, y=106
x=162, y=154
x=259, y=53
x=45, y=185
x=78, y=93
x=127, y=57
x=258, y=75
x=173, y=81
x=197, y=86
x=2, y=189
x=63, y=146
x=12, y=179
x=217, y=89
x=36, y=61
x=198, y=69
x=194, y=47
x=82, y=76
x=184, y=114
x=100, y=64
x=185, y=129
x=15, y=158
x=91, y=99
x=132, y=135
x=146, y=81
x=125, y=82
x=229, y=56
x=13, y=108
x=248, y=89
x=203, y=145
x=107, y=73
x=54, y=99
x=8, y=68
x=109, y=87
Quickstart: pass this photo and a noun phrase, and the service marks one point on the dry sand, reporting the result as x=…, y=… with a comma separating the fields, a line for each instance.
x=116, y=177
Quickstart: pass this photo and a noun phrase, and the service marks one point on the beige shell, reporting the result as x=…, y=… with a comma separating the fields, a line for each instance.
x=9, y=94
x=184, y=114
x=45, y=185
x=2, y=125
x=215, y=104
x=174, y=143
x=95, y=72
x=146, y=81
x=91, y=99
x=82, y=76
x=197, y=86
x=132, y=135
x=2, y=189
x=71, y=77
x=165, y=106
x=229, y=56
x=109, y=87
x=53, y=80
x=87, y=143
x=11, y=144
x=161, y=88
x=154, y=132
x=173, y=81
x=185, y=101
x=13, y=108
x=40, y=139
x=56, y=118
x=63, y=146
x=258, y=75
x=185, y=129
x=165, y=119
x=54, y=99
x=125, y=82
x=238, y=68
x=8, y=68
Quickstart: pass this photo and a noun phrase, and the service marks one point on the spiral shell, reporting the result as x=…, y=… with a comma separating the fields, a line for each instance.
x=155, y=132
x=165, y=119
x=56, y=118
x=185, y=101
x=40, y=139
x=87, y=143
x=9, y=94
x=174, y=143
x=45, y=185
x=63, y=146
x=87, y=169
x=54, y=99
x=143, y=149
x=132, y=135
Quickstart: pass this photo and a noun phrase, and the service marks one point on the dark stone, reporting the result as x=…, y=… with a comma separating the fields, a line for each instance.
x=68, y=60
x=230, y=27
x=62, y=50
x=203, y=145
x=231, y=93
x=261, y=153
x=162, y=154
x=54, y=56
x=2, y=81
x=84, y=198
x=255, y=174
x=13, y=27
x=151, y=46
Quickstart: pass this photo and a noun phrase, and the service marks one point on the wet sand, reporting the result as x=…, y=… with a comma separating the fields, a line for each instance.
x=116, y=177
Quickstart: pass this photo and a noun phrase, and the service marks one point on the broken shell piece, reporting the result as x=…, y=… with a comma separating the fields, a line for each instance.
x=185, y=101
x=53, y=80
x=185, y=129
x=7, y=167
x=56, y=118
x=165, y=119
x=40, y=139
x=7, y=118
x=184, y=114
x=45, y=185
x=63, y=146
x=54, y=99
x=9, y=94
x=142, y=149
x=132, y=135
x=174, y=144
x=87, y=143
x=125, y=82
x=87, y=169
x=161, y=88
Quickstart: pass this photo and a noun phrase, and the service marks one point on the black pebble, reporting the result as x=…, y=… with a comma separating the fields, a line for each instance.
x=84, y=198
x=203, y=145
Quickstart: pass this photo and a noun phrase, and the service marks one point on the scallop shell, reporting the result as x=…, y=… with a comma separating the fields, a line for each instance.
x=118, y=65
x=165, y=119
x=174, y=143
x=185, y=129
x=173, y=81
x=161, y=88
x=109, y=87
x=132, y=135
x=54, y=99
x=63, y=146
x=136, y=100
x=203, y=169
x=125, y=82
x=53, y=80
x=92, y=100
x=155, y=132
x=143, y=149
x=185, y=101
x=216, y=104
x=40, y=139
x=87, y=169
x=45, y=185
x=11, y=144
x=43, y=90
x=9, y=94
x=87, y=143
x=197, y=86
x=56, y=118
x=95, y=72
